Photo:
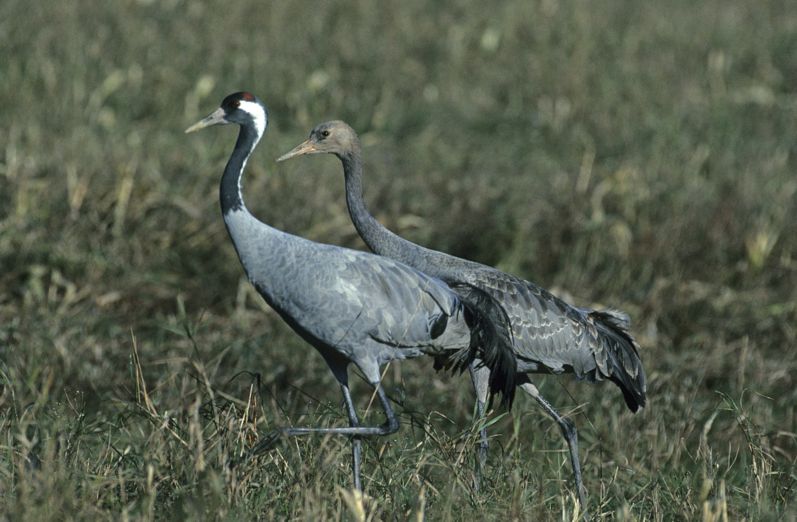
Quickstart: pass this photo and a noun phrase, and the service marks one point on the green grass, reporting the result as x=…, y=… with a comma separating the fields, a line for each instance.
x=625, y=154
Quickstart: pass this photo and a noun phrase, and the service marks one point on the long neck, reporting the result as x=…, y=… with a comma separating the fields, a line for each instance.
x=230, y=190
x=260, y=248
x=379, y=239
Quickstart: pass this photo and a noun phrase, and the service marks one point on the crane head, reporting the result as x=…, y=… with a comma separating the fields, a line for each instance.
x=242, y=108
x=331, y=137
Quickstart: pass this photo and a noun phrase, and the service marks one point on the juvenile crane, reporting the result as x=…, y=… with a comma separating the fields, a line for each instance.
x=547, y=334
x=353, y=307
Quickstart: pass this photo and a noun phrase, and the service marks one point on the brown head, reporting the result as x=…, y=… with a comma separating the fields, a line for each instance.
x=331, y=137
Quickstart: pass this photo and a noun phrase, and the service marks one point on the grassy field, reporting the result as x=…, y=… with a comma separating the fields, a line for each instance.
x=637, y=155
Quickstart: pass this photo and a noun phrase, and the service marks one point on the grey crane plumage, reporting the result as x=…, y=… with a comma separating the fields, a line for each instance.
x=353, y=307
x=546, y=334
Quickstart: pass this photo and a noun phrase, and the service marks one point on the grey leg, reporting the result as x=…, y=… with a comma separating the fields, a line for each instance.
x=391, y=426
x=356, y=443
x=480, y=376
x=569, y=432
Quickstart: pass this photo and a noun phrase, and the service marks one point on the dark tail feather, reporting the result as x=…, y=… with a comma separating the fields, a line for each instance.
x=493, y=342
x=624, y=364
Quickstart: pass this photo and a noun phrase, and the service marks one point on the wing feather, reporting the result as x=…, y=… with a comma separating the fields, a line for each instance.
x=550, y=335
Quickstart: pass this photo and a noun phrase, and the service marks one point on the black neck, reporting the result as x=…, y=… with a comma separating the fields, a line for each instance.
x=230, y=190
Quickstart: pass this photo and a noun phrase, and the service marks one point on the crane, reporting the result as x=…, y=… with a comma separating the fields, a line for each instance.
x=547, y=334
x=352, y=306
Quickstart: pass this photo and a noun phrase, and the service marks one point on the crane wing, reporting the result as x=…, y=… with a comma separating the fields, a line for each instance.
x=406, y=308
x=460, y=322
x=550, y=335
x=546, y=331
x=346, y=296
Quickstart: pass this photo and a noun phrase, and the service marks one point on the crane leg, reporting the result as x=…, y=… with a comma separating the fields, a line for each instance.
x=480, y=376
x=571, y=436
x=391, y=426
x=356, y=442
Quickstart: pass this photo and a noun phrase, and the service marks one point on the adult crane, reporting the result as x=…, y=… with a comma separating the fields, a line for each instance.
x=353, y=307
x=547, y=334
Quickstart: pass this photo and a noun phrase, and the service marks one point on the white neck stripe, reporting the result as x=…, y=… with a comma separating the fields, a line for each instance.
x=258, y=115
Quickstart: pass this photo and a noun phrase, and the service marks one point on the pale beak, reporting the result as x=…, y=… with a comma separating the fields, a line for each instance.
x=307, y=147
x=215, y=118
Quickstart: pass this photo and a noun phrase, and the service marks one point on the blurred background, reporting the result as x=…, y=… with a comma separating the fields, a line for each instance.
x=633, y=155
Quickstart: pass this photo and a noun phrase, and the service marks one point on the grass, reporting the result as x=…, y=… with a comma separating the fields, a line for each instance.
x=634, y=155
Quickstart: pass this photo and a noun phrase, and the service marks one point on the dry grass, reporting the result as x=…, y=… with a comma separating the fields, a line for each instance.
x=638, y=155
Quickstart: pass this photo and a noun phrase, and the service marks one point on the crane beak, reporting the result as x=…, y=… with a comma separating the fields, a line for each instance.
x=215, y=118
x=307, y=147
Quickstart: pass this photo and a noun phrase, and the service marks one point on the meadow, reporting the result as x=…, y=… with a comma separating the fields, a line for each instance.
x=637, y=155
